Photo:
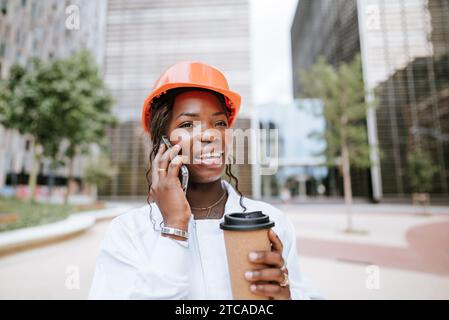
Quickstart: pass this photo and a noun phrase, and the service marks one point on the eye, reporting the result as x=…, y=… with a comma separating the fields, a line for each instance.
x=187, y=124
x=221, y=123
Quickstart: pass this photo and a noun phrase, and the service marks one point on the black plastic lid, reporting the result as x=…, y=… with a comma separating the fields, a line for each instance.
x=246, y=221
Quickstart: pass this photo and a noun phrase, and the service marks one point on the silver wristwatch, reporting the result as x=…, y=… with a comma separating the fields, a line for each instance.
x=174, y=231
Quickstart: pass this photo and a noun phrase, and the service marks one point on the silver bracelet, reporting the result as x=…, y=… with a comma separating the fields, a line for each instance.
x=174, y=231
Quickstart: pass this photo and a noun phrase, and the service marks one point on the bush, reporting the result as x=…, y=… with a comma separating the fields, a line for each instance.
x=19, y=214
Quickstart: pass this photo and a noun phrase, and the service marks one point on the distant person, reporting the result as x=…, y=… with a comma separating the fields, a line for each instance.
x=286, y=195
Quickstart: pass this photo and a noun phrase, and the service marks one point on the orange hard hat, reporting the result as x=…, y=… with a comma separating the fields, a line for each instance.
x=192, y=74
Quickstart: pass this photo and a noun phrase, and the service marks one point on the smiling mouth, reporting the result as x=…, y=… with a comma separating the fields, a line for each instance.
x=209, y=158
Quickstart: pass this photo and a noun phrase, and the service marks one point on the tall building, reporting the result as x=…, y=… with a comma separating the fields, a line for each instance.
x=43, y=29
x=323, y=27
x=327, y=28
x=143, y=38
x=407, y=67
x=404, y=48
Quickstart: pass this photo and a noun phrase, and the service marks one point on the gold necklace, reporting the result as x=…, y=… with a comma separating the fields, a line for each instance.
x=209, y=208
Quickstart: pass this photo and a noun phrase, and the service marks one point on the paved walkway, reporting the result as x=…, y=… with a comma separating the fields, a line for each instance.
x=427, y=250
x=47, y=272
x=411, y=252
x=412, y=242
x=336, y=279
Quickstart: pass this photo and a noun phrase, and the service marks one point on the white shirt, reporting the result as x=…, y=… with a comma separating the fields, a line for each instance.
x=136, y=262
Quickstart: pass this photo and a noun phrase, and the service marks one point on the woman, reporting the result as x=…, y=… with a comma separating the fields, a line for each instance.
x=173, y=248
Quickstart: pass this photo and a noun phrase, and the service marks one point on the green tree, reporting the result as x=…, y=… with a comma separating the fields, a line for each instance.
x=421, y=170
x=98, y=174
x=62, y=100
x=87, y=112
x=342, y=93
x=27, y=105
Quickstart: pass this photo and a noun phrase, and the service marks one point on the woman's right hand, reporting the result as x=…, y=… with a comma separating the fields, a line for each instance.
x=166, y=188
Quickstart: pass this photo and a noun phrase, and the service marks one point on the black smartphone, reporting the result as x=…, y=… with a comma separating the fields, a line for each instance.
x=183, y=172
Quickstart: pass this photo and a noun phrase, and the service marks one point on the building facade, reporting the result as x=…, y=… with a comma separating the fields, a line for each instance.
x=324, y=27
x=406, y=44
x=404, y=49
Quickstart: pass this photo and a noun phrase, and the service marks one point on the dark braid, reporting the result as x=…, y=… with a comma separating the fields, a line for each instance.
x=236, y=182
x=160, y=118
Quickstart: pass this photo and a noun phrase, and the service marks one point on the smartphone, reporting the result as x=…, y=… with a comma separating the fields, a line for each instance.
x=183, y=172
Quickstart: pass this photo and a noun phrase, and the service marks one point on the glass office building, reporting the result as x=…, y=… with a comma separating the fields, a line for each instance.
x=406, y=53
x=404, y=48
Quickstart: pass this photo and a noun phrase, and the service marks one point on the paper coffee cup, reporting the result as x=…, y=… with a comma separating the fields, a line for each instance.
x=244, y=233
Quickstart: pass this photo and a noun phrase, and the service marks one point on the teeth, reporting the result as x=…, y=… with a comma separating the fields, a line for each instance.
x=211, y=155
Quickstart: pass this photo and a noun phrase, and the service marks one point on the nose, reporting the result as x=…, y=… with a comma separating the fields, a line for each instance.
x=209, y=135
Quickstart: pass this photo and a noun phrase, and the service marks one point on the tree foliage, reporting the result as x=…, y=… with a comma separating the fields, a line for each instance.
x=342, y=93
x=100, y=172
x=421, y=170
x=63, y=100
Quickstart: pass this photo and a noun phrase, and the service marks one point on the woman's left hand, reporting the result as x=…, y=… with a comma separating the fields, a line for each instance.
x=267, y=281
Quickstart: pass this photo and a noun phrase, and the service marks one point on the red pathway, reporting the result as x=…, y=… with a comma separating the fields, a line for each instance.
x=427, y=250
